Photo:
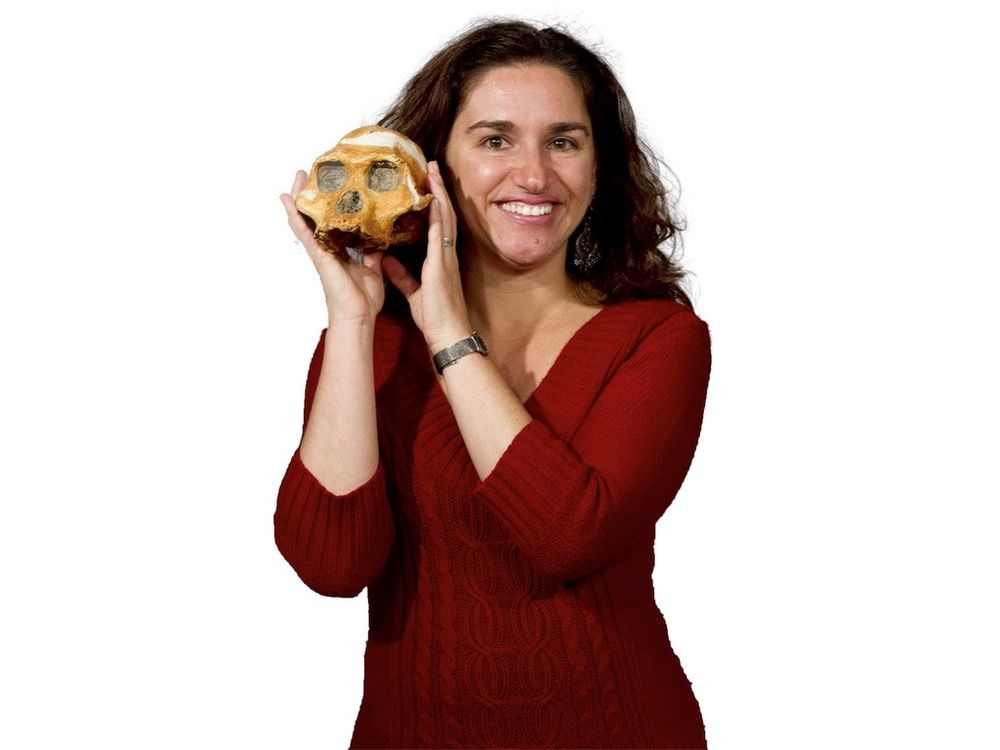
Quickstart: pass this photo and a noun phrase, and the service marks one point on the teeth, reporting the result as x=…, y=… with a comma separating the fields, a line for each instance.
x=525, y=210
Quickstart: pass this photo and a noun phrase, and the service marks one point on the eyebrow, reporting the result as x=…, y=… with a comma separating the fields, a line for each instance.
x=505, y=126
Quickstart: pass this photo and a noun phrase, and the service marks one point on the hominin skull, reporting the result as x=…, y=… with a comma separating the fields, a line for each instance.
x=368, y=192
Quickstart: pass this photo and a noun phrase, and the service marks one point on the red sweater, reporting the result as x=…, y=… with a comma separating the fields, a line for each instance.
x=516, y=611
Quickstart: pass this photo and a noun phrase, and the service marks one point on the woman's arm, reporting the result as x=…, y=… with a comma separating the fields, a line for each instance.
x=573, y=507
x=340, y=439
x=488, y=412
x=333, y=522
x=437, y=305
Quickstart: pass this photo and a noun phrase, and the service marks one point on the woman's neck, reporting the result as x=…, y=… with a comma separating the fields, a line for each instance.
x=511, y=303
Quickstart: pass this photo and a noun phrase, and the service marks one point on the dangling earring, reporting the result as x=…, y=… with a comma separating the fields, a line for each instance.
x=586, y=252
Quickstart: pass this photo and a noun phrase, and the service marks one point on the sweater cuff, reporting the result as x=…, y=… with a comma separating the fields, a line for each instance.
x=301, y=476
x=524, y=474
x=336, y=543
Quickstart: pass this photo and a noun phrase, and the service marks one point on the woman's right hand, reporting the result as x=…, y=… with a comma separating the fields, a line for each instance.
x=354, y=291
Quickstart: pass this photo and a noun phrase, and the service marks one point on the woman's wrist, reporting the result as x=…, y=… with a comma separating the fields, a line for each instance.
x=351, y=329
x=451, y=354
x=449, y=337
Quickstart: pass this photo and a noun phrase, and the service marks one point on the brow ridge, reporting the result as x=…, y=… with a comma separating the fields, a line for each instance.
x=506, y=126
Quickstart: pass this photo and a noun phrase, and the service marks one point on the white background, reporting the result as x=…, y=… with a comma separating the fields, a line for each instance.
x=828, y=569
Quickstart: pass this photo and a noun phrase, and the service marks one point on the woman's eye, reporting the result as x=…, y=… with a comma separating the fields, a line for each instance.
x=562, y=144
x=494, y=141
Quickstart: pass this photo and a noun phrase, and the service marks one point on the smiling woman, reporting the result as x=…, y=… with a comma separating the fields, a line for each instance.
x=501, y=508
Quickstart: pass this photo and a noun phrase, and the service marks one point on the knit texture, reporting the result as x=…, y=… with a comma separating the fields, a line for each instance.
x=516, y=611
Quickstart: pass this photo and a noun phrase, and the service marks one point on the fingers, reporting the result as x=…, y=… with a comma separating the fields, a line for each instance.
x=396, y=272
x=297, y=184
x=373, y=260
x=288, y=199
x=442, y=220
x=295, y=220
x=305, y=235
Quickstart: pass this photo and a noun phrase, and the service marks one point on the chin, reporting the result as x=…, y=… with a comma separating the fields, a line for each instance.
x=527, y=258
x=528, y=253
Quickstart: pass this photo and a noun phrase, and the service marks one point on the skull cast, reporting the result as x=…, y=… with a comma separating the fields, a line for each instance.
x=367, y=192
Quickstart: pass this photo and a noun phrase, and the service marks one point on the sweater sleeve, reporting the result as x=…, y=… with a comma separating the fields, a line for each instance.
x=337, y=544
x=573, y=507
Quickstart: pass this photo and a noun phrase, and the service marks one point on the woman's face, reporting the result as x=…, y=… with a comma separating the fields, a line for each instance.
x=523, y=165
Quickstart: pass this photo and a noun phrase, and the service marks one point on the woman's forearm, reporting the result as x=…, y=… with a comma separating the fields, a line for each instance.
x=340, y=442
x=487, y=410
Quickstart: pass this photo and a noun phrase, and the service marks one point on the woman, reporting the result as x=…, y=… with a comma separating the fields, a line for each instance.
x=500, y=506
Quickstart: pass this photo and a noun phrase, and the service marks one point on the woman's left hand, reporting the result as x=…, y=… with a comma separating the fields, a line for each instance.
x=437, y=302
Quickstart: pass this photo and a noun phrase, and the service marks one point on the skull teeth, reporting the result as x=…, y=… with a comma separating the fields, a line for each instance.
x=527, y=210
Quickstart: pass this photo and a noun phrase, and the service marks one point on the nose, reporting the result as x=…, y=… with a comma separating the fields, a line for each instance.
x=350, y=203
x=532, y=168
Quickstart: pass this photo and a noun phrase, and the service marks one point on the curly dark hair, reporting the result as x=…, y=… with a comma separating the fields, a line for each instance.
x=633, y=212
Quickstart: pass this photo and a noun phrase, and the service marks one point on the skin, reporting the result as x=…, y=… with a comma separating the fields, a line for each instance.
x=503, y=276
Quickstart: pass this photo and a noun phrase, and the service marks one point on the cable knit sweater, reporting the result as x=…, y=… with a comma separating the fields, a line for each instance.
x=516, y=611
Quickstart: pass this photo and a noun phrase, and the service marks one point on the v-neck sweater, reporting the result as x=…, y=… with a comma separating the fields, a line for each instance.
x=518, y=610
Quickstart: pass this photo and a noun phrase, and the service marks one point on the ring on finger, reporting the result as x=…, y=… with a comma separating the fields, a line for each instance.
x=447, y=241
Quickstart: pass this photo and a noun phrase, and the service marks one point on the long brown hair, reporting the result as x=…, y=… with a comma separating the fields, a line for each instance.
x=634, y=214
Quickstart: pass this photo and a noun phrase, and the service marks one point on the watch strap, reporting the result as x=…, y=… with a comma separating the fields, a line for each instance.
x=451, y=354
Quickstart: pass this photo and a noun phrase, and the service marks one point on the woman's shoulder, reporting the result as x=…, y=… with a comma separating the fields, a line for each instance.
x=659, y=335
x=645, y=315
x=637, y=330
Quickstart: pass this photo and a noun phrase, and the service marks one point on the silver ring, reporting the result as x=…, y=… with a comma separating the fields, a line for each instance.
x=447, y=241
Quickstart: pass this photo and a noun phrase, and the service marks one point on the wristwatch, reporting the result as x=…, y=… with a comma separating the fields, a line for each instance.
x=451, y=354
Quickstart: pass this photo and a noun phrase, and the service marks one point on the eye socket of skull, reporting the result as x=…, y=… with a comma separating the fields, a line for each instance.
x=331, y=176
x=383, y=176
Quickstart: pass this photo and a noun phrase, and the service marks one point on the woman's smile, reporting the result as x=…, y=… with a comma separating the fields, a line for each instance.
x=525, y=209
